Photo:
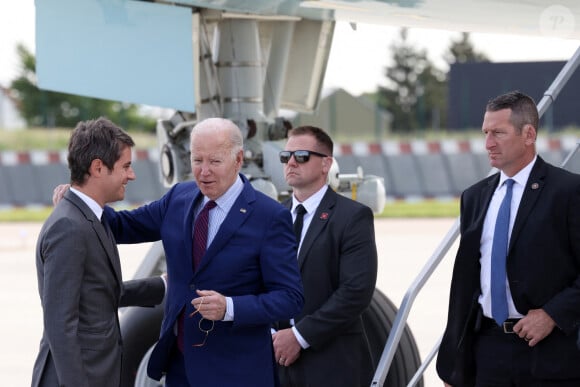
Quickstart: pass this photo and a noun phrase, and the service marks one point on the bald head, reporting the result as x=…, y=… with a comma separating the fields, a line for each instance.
x=216, y=155
x=220, y=127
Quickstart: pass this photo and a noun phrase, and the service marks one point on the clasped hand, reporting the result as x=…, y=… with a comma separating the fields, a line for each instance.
x=286, y=347
x=535, y=326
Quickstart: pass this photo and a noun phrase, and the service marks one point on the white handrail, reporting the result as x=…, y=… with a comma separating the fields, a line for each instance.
x=401, y=319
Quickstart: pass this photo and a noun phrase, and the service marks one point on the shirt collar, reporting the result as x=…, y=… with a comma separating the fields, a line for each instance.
x=90, y=202
x=521, y=177
x=311, y=204
x=226, y=201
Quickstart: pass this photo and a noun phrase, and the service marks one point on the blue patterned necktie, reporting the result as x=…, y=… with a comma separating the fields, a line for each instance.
x=499, y=249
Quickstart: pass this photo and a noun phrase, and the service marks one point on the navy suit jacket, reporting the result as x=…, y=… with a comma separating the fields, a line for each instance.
x=251, y=259
x=543, y=269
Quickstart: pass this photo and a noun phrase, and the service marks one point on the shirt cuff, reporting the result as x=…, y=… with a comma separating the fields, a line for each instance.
x=303, y=343
x=229, y=316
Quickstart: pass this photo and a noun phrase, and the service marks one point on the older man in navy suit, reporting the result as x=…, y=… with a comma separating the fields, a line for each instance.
x=221, y=303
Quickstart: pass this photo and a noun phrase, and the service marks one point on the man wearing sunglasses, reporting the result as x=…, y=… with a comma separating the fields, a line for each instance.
x=326, y=345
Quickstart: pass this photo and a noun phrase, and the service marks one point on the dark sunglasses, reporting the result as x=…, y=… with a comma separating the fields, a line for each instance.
x=301, y=156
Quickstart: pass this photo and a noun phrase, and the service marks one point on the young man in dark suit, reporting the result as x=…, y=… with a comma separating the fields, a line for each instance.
x=78, y=267
x=514, y=310
x=327, y=344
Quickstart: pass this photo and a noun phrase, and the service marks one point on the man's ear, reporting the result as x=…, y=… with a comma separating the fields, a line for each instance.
x=240, y=159
x=326, y=164
x=97, y=167
x=530, y=134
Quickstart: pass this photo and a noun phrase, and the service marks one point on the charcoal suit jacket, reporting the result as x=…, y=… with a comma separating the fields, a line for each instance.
x=81, y=289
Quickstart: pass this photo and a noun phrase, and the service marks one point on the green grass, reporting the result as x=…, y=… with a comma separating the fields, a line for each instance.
x=56, y=139
x=421, y=209
x=395, y=209
x=24, y=214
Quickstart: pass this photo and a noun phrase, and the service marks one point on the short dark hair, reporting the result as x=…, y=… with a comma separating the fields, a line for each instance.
x=95, y=139
x=322, y=138
x=523, y=107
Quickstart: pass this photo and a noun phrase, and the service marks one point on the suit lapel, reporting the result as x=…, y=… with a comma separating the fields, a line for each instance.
x=188, y=235
x=240, y=211
x=532, y=191
x=319, y=221
x=104, y=235
x=476, y=210
x=485, y=199
x=111, y=248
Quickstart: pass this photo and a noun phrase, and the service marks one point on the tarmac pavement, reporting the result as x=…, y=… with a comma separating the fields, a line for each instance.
x=404, y=246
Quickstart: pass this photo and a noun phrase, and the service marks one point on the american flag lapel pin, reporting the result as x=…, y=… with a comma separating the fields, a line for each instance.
x=243, y=210
x=324, y=216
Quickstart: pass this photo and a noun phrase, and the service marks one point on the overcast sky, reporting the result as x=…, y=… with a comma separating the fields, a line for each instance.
x=357, y=60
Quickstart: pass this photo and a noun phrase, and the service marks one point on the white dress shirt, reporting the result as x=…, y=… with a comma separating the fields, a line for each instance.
x=310, y=204
x=216, y=217
x=90, y=202
x=520, y=181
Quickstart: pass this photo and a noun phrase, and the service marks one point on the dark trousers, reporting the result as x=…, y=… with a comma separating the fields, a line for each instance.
x=176, y=376
x=504, y=360
x=49, y=376
x=292, y=376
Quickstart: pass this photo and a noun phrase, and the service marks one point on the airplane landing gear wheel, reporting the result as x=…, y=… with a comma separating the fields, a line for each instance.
x=378, y=320
x=141, y=379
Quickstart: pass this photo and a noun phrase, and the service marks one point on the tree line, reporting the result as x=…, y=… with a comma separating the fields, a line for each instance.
x=415, y=94
x=49, y=109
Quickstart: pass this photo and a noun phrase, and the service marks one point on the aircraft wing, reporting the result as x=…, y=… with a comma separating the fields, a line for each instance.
x=529, y=17
x=148, y=52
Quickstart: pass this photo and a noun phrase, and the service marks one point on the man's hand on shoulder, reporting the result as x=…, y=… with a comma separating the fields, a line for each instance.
x=58, y=193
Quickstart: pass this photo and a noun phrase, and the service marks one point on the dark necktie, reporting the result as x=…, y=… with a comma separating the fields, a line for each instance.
x=112, y=248
x=299, y=222
x=104, y=221
x=108, y=229
x=499, y=249
x=200, y=233
x=200, y=228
